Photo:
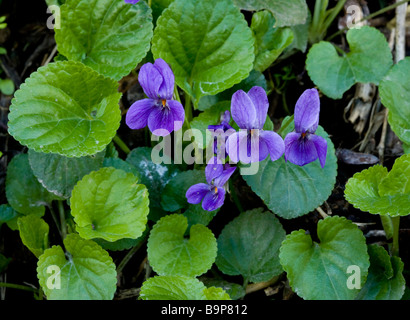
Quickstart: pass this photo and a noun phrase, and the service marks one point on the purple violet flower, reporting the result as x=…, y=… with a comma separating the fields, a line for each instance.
x=131, y=1
x=303, y=146
x=249, y=111
x=212, y=193
x=219, y=130
x=162, y=114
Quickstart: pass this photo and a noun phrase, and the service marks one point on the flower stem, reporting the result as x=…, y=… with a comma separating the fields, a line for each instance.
x=395, y=246
x=188, y=108
x=62, y=219
x=387, y=226
x=128, y=256
x=235, y=196
x=54, y=216
x=121, y=144
x=17, y=286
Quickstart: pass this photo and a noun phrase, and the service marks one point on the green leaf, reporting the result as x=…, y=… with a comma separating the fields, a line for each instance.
x=110, y=36
x=369, y=60
x=6, y=86
x=234, y=290
x=197, y=215
x=59, y=174
x=249, y=246
x=395, y=95
x=109, y=204
x=255, y=78
x=376, y=191
x=173, y=196
x=111, y=151
x=24, y=193
x=269, y=41
x=154, y=176
x=291, y=191
x=208, y=44
x=8, y=214
x=34, y=233
x=397, y=181
x=172, y=288
x=65, y=108
x=213, y=293
x=286, y=12
x=169, y=253
x=385, y=280
x=122, y=244
x=87, y=272
x=318, y=271
x=300, y=36
x=118, y=163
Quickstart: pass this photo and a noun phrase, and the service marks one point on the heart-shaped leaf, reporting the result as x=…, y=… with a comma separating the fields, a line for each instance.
x=255, y=78
x=169, y=253
x=118, y=163
x=395, y=95
x=109, y=204
x=378, y=191
x=320, y=271
x=110, y=36
x=9, y=216
x=24, y=193
x=59, y=174
x=179, y=288
x=122, y=244
x=369, y=60
x=154, y=176
x=385, y=280
x=269, y=41
x=65, y=108
x=249, y=246
x=84, y=272
x=291, y=191
x=34, y=233
x=173, y=196
x=208, y=45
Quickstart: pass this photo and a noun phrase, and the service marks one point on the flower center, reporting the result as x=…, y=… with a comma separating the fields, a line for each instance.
x=164, y=102
x=215, y=190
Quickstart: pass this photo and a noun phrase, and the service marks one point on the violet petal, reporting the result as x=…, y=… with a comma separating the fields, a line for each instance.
x=178, y=113
x=307, y=111
x=233, y=143
x=257, y=149
x=166, y=90
x=321, y=148
x=261, y=103
x=150, y=80
x=213, y=201
x=161, y=121
x=274, y=143
x=197, y=192
x=298, y=150
x=243, y=111
x=138, y=113
x=224, y=176
x=213, y=169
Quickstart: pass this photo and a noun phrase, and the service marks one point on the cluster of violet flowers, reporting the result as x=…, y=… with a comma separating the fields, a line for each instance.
x=249, y=110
